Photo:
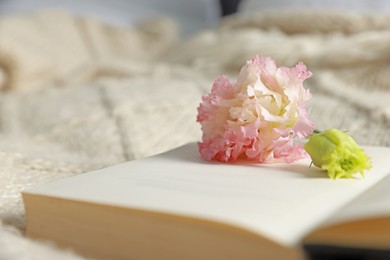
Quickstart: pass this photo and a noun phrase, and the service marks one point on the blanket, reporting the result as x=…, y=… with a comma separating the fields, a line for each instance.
x=78, y=95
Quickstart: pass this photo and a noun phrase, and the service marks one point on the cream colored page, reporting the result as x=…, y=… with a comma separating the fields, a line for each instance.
x=283, y=201
x=373, y=203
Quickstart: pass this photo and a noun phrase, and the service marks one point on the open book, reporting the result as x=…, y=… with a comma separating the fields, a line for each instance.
x=176, y=206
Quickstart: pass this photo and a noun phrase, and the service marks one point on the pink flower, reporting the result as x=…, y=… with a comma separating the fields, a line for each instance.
x=257, y=118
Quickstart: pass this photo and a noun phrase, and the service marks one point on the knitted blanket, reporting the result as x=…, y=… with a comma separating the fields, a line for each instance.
x=78, y=95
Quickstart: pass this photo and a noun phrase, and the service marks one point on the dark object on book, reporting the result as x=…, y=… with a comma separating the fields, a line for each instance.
x=321, y=252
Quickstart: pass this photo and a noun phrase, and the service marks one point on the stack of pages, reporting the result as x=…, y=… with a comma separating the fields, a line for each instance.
x=176, y=206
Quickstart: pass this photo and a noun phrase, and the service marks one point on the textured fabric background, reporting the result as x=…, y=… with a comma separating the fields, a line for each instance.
x=79, y=95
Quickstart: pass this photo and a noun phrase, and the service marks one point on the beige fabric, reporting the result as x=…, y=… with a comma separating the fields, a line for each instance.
x=79, y=95
x=48, y=47
x=353, y=46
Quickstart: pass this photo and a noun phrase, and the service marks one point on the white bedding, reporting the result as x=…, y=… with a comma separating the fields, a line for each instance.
x=81, y=95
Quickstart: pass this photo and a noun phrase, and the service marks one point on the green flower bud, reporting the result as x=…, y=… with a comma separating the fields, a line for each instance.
x=337, y=153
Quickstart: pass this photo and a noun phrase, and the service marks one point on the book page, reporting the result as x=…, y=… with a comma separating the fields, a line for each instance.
x=373, y=203
x=282, y=201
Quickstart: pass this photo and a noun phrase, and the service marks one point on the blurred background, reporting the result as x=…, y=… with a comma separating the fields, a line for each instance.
x=87, y=84
x=191, y=15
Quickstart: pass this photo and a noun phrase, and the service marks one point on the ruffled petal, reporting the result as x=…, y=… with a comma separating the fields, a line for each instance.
x=257, y=118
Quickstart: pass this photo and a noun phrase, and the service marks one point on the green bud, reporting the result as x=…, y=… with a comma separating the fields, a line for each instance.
x=337, y=153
